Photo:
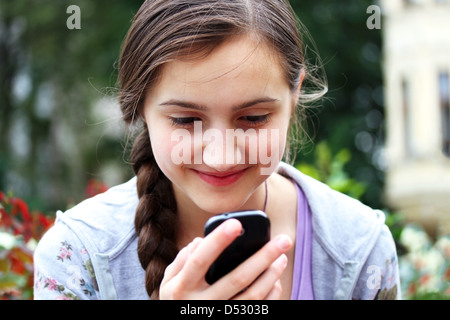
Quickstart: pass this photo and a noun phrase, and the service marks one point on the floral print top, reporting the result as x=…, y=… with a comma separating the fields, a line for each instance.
x=78, y=280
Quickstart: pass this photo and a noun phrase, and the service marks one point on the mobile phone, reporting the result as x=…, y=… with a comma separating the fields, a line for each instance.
x=255, y=234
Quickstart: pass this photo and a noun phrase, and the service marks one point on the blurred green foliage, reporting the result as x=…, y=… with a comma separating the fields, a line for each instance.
x=51, y=142
x=331, y=170
x=351, y=116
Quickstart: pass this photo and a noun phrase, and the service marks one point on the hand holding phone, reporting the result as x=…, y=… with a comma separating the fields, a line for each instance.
x=259, y=276
x=255, y=234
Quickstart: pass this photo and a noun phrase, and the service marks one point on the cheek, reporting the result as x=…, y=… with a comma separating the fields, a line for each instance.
x=271, y=144
x=283, y=135
x=162, y=146
x=281, y=145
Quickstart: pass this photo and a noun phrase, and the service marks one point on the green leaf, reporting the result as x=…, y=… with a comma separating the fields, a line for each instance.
x=309, y=170
x=10, y=280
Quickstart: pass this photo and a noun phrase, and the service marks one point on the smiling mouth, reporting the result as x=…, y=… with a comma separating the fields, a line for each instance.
x=219, y=179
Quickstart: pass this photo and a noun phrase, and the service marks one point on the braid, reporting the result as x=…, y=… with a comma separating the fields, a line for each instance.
x=155, y=220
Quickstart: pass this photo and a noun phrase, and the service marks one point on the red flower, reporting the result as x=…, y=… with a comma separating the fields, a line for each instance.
x=20, y=206
x=16, y=218
x=5, y=219
x=44, y=221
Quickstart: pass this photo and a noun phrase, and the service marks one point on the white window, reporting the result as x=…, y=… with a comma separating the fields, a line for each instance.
x=407, y=118
x=444, y=98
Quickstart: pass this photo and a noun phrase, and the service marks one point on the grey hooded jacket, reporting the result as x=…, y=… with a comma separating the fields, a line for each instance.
x=91, y=251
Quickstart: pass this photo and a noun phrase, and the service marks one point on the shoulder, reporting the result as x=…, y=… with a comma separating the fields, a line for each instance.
x=105, y=221
x=63, y=267
x=346, y=228
x=354, y=255
x=84, y=252
x=379, y=278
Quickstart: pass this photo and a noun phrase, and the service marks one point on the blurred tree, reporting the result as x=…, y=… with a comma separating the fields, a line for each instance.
x=352, y=115
x=53, y=140
x=50, y=78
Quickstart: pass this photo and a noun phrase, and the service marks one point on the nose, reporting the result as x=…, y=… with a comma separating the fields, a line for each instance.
x=220, y=153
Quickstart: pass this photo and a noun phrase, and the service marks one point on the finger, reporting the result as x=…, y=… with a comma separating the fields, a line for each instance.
x=264, y=285
x=175, y=267
x=194, y=244
x=275, y=293
x=248, y=271
x=209, y=249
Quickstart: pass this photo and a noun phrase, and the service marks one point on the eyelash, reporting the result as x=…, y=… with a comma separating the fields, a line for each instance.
x=183, y=122
x=252, y=121
x=257, y=119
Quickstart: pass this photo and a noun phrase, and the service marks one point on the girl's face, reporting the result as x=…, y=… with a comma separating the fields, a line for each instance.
x=218, y=124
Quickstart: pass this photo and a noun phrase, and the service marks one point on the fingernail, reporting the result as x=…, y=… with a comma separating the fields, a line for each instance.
x=284, y=242
x=232, y=227
x=283, y=260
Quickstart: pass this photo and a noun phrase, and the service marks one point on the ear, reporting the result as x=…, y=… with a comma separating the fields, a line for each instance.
x=299, y=86
x=296, y=95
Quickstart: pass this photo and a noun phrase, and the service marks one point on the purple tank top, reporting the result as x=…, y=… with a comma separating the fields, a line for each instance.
x=301, y=282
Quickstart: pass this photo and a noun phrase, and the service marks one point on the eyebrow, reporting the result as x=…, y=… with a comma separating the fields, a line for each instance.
x=195, y=106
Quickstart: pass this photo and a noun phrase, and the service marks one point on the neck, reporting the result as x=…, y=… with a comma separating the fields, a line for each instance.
x=191, y=218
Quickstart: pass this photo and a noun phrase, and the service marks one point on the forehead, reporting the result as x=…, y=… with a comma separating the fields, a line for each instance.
x=237, y=61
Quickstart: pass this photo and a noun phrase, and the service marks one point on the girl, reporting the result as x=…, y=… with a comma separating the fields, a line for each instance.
x=194, y=73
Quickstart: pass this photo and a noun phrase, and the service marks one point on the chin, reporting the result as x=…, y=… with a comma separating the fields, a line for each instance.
x=218, y=207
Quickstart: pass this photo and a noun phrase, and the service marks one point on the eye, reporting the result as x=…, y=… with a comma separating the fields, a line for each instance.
x=183, y=122
x=255, y=120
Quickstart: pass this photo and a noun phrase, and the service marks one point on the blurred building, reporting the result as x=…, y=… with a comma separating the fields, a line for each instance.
x=416, y=36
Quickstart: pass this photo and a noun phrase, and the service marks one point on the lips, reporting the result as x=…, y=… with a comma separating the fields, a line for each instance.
x=220, y=179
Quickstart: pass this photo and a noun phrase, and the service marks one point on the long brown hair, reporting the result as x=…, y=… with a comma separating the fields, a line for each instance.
x=162, y=31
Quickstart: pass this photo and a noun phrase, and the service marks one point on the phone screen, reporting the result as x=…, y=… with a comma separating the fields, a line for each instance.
x=255, y=234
